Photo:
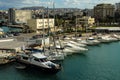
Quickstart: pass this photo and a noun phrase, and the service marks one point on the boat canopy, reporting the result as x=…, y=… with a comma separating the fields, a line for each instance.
x=90, y=38
x=39, y=55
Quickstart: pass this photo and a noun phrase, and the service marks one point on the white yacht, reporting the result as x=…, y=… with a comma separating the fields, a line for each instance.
x=38, y=60
x=116, y=36
x=103, y=39
x=70, y=48
x=107, y=38
x=74, y=48
x=77, y=44
x=92, y=41
x=55, y=55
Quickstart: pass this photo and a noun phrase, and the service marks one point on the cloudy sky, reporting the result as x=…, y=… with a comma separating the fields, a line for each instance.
x=4, y=4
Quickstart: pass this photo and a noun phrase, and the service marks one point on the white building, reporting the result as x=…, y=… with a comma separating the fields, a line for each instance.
x=19, y=16
x=37, y=25
x=86, y=21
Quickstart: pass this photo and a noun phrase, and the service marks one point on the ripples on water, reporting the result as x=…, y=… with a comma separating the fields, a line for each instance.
x=99, y=63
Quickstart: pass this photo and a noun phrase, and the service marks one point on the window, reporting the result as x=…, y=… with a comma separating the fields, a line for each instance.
x=37, y=59
x=26, y=58
x=43, y=60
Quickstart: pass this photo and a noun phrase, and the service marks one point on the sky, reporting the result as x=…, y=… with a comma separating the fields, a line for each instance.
x=82, y=4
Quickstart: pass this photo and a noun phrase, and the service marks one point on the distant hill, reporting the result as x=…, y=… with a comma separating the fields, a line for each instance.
x=32, y=8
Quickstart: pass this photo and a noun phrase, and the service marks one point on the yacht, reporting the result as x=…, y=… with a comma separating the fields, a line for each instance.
x=74, y=48
x=38, y=60
x=107, y=38
x=103, y=39
x=116, y=36
x=55, y=55
x=77, y=44
x=70, y=48
x=92, y=41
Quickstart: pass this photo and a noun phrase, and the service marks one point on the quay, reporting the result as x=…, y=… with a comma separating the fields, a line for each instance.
x=13, y=45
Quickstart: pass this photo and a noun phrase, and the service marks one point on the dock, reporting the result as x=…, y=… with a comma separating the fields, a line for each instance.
x=12, y=45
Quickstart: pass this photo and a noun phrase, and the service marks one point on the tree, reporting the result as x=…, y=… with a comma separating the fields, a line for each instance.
x=109, y=19
x=117, y=17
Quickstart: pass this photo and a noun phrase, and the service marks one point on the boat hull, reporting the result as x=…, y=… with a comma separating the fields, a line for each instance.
x=40, y=68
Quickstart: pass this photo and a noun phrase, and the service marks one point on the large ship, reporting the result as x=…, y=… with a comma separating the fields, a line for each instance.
x=38, y=60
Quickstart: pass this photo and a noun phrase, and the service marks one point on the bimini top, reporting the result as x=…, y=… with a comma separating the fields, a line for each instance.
x=39, y=55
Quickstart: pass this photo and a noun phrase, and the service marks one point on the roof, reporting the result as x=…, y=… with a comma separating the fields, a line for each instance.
x=108, y=28
x=38, y=55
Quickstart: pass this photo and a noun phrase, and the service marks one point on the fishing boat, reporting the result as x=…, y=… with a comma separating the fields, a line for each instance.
x=39, y=61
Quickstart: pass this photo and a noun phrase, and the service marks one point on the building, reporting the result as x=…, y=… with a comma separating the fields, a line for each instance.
x=37, y=25
x=117, y=6
x=86, y=21
x=19, y=16
x=88, y=12
x=106, y=29
x=101, y=11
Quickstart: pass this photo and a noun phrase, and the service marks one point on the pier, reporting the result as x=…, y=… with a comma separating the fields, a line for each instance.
x=13, y=45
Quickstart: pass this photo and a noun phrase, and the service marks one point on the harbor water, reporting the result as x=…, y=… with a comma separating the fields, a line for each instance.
x=99, y=63
x=10, y=29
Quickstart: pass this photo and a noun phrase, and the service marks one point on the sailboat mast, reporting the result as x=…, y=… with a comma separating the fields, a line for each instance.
x=54, y=26
x=43, y=31
x=54, y=14
x=76, y=24
x=48, y=26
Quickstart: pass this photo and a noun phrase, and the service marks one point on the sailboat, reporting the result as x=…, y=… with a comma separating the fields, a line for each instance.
x=54, y=54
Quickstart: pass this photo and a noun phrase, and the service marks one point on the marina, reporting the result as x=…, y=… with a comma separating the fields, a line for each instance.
x=99, y=63
x=59, y=57
x=52, y=40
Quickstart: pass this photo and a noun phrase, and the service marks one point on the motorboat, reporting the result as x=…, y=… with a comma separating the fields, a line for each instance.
x=103, y=39
x=55, y=55
x=107, y=39
x=38, y=60
x=116, y=36
x=77, y=44
x=71, y=47
x=74, y=48
x=92, y=41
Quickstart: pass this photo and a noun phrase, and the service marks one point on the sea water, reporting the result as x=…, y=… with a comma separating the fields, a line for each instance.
x=10, y=29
